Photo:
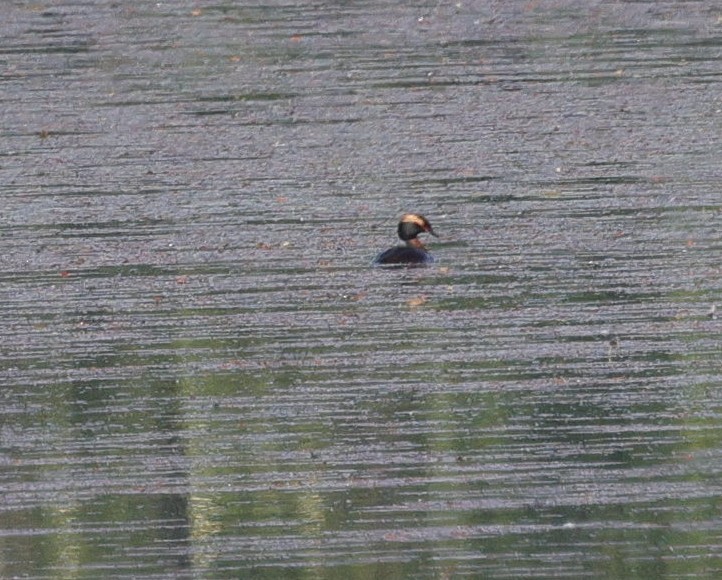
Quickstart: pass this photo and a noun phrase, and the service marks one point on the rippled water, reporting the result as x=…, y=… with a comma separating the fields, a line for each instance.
x=203, y=376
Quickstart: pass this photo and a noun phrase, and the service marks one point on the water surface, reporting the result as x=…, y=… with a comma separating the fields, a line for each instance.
x=203, y=376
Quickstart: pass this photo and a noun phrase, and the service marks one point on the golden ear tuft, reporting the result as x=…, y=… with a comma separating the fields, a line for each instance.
x=415, y=219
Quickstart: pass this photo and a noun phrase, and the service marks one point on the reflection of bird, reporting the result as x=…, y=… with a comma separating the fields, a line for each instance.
x=414, y=252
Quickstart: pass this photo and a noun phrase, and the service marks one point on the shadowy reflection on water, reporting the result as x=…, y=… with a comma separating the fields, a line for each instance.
x=202, y=374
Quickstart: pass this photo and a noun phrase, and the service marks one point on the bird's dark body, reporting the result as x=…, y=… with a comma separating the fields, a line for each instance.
x=404, y=255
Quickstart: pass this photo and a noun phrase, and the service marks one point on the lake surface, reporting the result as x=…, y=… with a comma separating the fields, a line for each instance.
x=203, y=376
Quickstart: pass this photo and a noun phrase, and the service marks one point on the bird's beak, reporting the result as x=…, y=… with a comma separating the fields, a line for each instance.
x=432, y=232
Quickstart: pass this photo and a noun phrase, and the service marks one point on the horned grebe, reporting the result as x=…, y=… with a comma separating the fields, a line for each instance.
x=414, y=252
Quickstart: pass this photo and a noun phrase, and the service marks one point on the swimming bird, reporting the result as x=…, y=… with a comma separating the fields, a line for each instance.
x=414, y=252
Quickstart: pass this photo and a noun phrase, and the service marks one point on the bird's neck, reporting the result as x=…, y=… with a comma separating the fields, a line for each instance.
x=415, y=243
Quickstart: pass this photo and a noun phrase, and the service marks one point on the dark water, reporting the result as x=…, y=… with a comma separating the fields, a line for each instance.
x=202, y=376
